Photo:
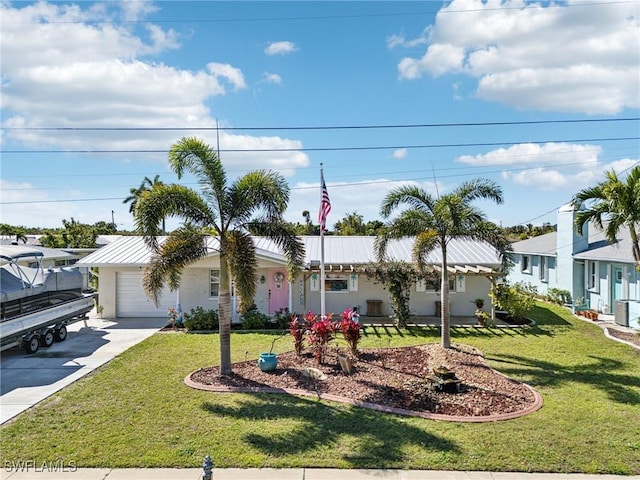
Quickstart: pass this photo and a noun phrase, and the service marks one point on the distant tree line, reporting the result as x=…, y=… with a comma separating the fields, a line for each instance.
x=74, y=234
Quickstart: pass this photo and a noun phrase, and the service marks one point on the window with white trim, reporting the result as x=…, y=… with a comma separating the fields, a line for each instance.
x=592, y=275
x=544, y=269
x=432, y=285
x=525, y=264
x=214, y=283
x=334, y=283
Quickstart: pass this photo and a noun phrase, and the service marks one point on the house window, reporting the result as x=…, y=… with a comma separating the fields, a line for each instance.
x=336, y=283
x=592, y=275
x=544, y=269
x=432, y=285
x=525, y=264
x=214, y=283
x=66, y=262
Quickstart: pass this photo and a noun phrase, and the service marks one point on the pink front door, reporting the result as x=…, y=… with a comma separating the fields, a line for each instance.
x=278, y=290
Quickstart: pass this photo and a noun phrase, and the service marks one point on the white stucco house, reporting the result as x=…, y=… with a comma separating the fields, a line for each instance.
x=585, y=265
x=121, y=263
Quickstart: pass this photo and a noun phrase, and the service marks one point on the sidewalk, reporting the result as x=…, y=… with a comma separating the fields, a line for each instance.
x=290, y=474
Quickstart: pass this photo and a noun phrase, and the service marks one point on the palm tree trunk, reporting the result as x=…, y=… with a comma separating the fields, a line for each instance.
x=224, y=316
x=635, y=246
x=444, y=308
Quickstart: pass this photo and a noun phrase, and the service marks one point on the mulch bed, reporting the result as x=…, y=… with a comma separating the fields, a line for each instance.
x=393, y=379
x=630, y=337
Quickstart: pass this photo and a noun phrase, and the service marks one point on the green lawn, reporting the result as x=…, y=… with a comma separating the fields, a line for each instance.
x=137, y=412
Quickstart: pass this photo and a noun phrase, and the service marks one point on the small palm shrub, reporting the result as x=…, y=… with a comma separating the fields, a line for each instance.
x=200, y=319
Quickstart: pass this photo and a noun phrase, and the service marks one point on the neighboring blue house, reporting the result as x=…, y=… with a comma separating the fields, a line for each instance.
x=585, y=265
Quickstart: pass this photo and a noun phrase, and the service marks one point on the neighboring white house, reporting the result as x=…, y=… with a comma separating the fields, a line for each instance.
x=120, y=266
x=585, y=265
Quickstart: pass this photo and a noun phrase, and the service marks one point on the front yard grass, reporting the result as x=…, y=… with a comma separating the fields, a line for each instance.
x=137, y=412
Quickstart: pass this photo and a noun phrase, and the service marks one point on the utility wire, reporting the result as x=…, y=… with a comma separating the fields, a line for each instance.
x=335, y=149
x=333, y=17
x=323, y=127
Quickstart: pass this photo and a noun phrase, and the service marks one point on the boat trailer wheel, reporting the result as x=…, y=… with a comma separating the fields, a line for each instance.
x=61, y=333
x=32, y=344
x=46, y=340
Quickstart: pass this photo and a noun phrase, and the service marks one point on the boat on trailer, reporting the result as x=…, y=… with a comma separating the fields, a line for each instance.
x=37, y=303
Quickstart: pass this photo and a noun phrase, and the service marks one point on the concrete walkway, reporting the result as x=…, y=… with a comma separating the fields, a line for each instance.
x=26, y=379
x=285, y=474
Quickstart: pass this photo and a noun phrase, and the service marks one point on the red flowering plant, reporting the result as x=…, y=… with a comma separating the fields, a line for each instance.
x=350, y=330
x=297, y=328
x=320, y=335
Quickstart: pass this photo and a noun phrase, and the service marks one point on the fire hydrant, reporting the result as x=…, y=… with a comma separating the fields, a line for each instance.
x=207, y=468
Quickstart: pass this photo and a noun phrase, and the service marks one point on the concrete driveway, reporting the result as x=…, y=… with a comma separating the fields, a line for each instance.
x=28, y=379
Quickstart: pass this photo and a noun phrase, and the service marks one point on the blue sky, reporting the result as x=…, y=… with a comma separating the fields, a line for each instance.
x=94, y=94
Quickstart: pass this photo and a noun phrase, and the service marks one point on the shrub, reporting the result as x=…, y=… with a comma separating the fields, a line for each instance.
x=555, y=295
x=254, y=320
x=200, y=319
x=350, y=330
x=320, y=335
x=297, y=328
x=282, y=318
x=517, y=300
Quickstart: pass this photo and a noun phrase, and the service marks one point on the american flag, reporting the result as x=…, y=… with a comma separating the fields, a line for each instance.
x=325, y=205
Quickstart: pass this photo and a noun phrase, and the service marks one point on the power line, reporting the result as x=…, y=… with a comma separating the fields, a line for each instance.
x=330, y=17
x=335, y=149
x=334, y=185
x=323, y=127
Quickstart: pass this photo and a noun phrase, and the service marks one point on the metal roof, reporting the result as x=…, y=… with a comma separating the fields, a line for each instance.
x=598, y=249
x=546, y=244
x=341, y=252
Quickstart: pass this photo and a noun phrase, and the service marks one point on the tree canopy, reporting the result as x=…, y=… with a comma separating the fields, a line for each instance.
x=232, y=211
x=435, y=221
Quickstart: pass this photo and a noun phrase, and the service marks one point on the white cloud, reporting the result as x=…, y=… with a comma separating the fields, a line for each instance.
x=24, y=205
x=346, y=197
x=555, y=165
x=232, y=74
x=280, y=48
x=68, y=67
x=272, y=78
x=570, y=58
x=400, y=153
x=525, y=153
x=394, y=41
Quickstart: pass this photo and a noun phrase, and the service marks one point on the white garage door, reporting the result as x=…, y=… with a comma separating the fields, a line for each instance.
x=131, y=301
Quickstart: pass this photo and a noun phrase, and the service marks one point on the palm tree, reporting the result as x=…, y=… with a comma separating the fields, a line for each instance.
x=435, y=221
x=613, y=204
x=224, y=209
x=135, y=193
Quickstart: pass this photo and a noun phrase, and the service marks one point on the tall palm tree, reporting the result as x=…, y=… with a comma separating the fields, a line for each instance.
x=613, y=204
x=224, y=209
x=134, y=194
x=435, y=221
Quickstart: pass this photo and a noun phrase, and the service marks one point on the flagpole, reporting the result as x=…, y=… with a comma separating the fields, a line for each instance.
x=322, y=220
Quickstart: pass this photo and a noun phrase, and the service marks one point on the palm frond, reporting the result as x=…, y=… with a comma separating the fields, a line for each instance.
x=414, y=197
x=243, y=265
x=284, y=235
x=163, y=201
x=182, y=247
x=425, y=243
x=479, y=188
